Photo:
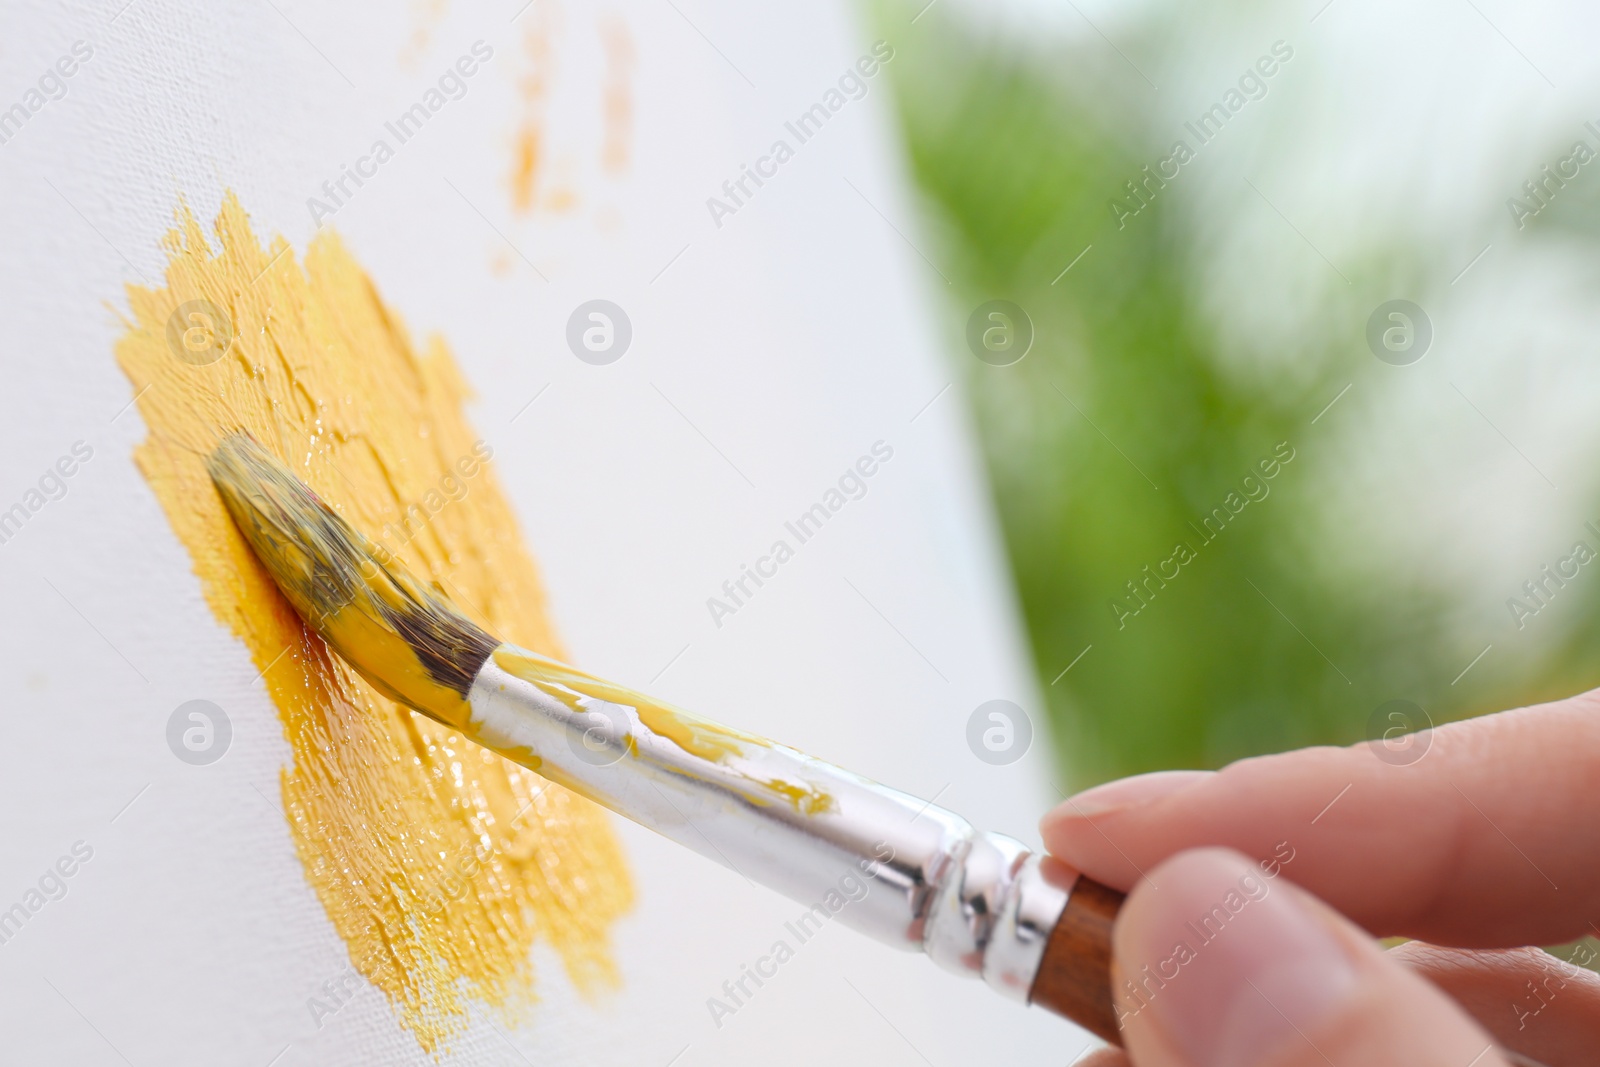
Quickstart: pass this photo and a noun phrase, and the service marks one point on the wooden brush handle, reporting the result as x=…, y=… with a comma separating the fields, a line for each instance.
x=1074, y=977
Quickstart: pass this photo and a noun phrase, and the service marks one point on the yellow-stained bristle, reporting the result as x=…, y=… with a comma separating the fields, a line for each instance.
x=408, y=642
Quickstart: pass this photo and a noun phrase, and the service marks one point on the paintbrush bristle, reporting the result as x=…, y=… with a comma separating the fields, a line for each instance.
x=404, y=638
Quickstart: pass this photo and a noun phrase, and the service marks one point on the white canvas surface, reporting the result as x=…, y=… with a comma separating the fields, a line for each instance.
x=768, y=354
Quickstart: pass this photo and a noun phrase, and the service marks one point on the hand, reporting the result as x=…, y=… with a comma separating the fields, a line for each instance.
x=1255, y=892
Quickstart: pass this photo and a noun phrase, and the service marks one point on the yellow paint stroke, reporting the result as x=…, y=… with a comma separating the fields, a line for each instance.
x=533, y=87
x=438, y=862
x=617, y=95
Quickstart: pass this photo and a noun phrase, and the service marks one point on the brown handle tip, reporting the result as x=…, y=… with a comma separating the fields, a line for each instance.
x=1074, y=976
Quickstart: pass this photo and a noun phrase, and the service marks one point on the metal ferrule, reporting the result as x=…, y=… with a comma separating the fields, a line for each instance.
x=887, y=864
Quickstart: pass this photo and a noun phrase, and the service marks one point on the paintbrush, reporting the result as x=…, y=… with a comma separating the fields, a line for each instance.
x=894, y=867
x=979, y=903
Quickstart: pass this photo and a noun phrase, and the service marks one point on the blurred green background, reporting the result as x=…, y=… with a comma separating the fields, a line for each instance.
x=1134, y=415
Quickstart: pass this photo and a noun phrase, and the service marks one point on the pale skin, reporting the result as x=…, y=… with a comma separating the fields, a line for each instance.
x=1488, y=842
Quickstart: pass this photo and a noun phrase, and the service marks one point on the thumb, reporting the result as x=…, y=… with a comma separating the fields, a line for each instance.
x=1219, y=965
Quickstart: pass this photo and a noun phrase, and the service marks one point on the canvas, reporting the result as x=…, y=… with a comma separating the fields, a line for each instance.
x=776, y=331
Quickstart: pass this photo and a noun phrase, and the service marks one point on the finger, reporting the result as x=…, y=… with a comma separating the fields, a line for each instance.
x=1105, y=1057
x=1486, y=840
x=1527, y=999
x=1223, y=967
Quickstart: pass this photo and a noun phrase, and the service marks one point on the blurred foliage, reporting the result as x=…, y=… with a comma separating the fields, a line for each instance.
x=1120, y=431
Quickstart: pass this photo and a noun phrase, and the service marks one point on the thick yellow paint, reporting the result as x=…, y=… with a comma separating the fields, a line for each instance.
x=437, y=861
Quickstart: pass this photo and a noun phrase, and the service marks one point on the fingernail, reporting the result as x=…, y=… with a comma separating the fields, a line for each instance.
x=1228, y=964
x=1128, y=793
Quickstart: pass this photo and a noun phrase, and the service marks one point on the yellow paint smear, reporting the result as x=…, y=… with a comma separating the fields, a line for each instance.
x=707, y=740
x=543, y=22
x=438, y=862
x=617, y=99
x=699, y=737
x=428, y=14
